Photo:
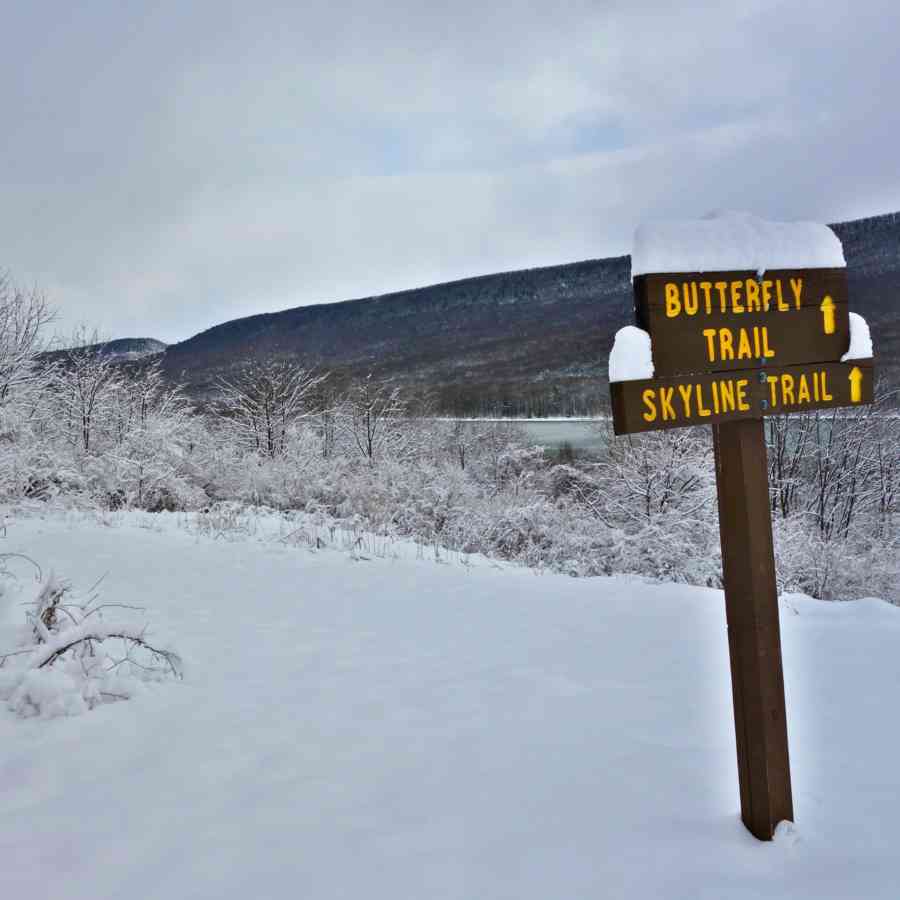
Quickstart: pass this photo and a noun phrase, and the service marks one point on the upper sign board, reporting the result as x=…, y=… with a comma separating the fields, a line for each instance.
x=726, y=321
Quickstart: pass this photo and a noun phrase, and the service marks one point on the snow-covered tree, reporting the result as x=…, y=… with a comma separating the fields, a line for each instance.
x=371, y=416
x=261, y=403
x=152, y=437
x=86, y=385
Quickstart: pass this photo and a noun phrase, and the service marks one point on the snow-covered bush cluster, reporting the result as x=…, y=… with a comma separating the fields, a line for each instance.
x=67, y=657
x=81, y=428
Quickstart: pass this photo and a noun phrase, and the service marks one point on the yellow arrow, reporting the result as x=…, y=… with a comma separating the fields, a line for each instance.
x=827, y=307
x=856, y=378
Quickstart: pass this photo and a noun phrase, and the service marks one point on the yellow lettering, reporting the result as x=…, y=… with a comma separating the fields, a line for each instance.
x=722, y=287
x=825, y=394
x=736, y=296
x=768, y=352
x=726, y=390
x=782, y=306
x=685, y=391
x=673, y=304
x=665, y=400
x=715, y=392
x=701, y=409
x=787, y=389
x=803, y=390
x=742, y=403
x=816, y=395
x=710, y=335
x=797, y=288
x=773, y=387
x=726, y=346
x=706, y=287
x=744, y=351
x=690, y=299
x=767, y=294
x=752, y=291
x=650, y=414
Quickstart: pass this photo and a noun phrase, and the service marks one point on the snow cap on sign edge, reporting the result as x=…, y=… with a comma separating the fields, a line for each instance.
x=631, y=358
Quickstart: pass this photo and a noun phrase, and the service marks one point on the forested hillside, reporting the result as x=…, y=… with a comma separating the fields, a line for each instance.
x=531, y=342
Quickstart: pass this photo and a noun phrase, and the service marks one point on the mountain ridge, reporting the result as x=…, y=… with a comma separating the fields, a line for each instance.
x=529, y=340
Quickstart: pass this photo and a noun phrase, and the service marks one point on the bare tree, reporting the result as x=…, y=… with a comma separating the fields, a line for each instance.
x=788, y=438
x=24, y=315
x=654, y=474
x=853, y=461
x=85, y=386
x=323, y=406
x=263, y=401
x=368, y=411
x=462, y=440
x=142, y=393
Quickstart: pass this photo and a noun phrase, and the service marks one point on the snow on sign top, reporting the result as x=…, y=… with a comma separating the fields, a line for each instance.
x=732, y=241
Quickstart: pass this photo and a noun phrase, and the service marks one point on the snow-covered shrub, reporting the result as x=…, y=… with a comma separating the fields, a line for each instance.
x=834, y=479
x=68, y=658
x=836, y=567
x=80, y=428
x=656, y=496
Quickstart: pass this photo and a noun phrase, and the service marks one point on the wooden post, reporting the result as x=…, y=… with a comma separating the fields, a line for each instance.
x=720, y=357
x=754, y=639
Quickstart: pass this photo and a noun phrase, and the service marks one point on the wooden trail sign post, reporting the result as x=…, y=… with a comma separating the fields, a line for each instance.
x=729, y=348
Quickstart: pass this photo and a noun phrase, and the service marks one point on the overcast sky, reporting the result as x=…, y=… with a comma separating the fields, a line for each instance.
x=166, y=166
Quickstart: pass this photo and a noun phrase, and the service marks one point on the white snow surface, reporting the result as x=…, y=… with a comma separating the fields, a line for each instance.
x=631, y=357
x=398, y=728
x=860, y=339
x=733, y=241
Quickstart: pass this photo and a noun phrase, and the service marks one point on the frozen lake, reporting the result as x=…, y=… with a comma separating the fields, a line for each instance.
x=581, y=434
x=553, y=433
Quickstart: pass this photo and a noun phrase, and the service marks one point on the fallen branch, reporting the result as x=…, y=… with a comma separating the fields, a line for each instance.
x=60, y=644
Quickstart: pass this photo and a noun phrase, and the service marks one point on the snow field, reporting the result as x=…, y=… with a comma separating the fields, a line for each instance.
x=397, y=728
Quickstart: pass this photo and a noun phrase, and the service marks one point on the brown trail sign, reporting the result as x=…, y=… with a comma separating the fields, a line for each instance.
x=722, y=321
x=729, y=348
x=713, y=397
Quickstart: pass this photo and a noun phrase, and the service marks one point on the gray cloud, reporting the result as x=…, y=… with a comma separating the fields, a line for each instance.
x=170, y=166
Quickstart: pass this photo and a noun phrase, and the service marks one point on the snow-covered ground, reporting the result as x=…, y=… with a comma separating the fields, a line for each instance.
x=393, y=727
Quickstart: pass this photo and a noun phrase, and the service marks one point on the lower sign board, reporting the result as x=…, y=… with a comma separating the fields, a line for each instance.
x=709, y=398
